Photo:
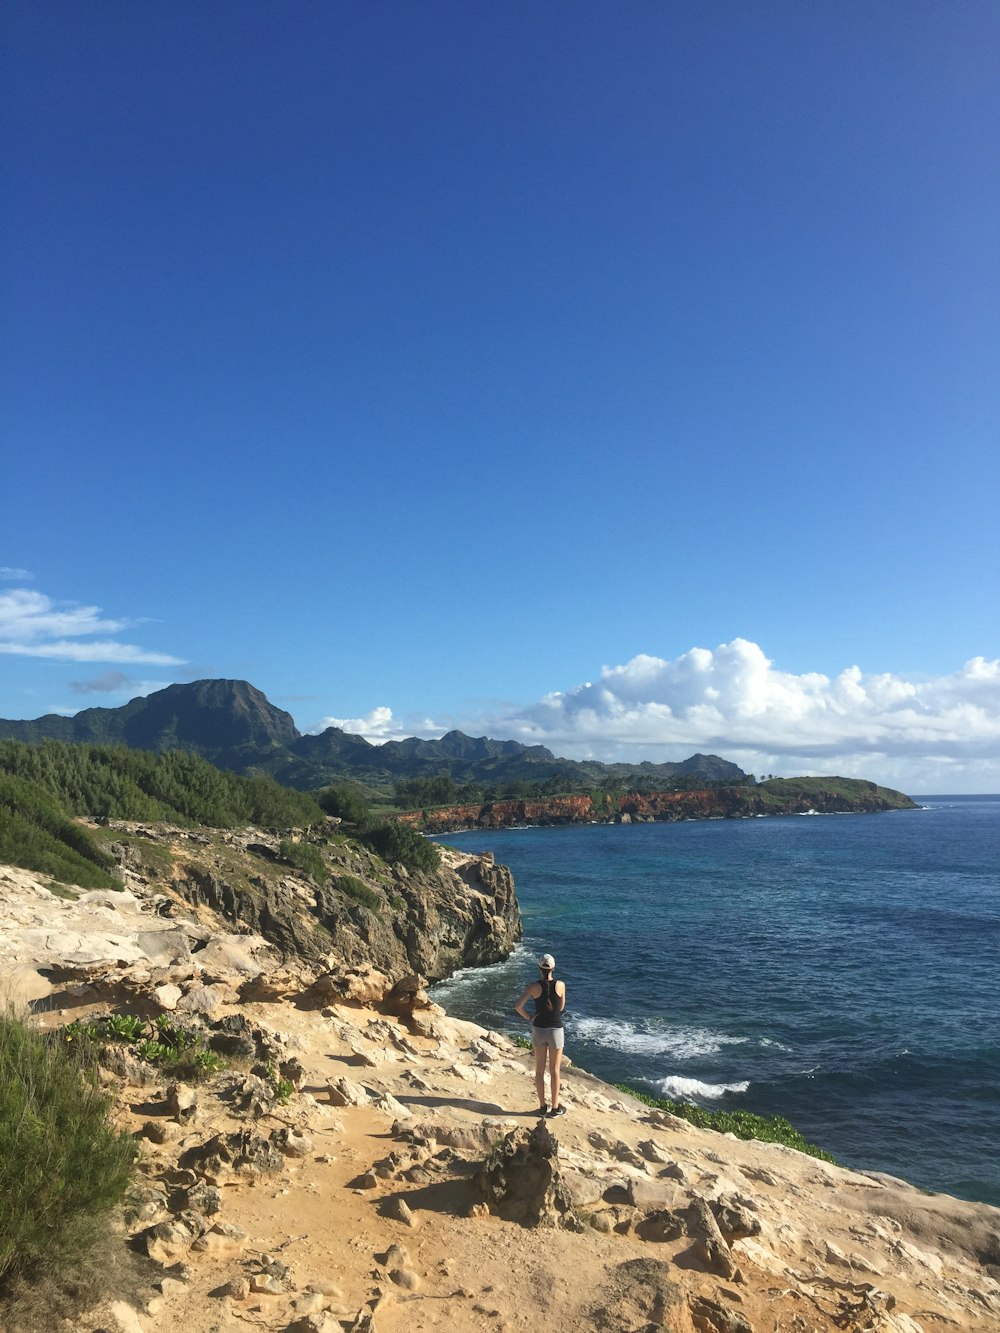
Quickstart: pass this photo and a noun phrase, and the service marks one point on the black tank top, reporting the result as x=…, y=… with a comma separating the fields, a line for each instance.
x=548, y=1013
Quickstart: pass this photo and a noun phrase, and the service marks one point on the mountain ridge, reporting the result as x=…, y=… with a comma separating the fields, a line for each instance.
x=234, y=725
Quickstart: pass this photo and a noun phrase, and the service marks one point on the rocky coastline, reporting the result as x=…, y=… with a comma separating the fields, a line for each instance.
x=364, y=1162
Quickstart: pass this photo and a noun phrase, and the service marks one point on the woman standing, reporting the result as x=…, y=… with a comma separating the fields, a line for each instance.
x=547, y=1033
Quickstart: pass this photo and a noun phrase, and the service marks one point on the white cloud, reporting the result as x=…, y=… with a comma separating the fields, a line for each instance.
x=735, y=702
x=8, y=572
x=379, y=726
x=33, y=625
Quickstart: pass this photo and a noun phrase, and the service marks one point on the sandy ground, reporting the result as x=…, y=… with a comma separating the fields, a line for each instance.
x=373, y=1219
x=827, y=1235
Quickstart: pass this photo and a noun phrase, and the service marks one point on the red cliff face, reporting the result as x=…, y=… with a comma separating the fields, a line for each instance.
x=580, y=810
x=505, y=814
x=661, y=806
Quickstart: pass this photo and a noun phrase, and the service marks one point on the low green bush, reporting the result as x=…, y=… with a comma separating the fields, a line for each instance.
x=744, y=1124
x=63, y=1164
x=343, y=800
x=358, y=890
x=282, y=1087
x=177, y=1050
x=304, y=856
x=399, y=843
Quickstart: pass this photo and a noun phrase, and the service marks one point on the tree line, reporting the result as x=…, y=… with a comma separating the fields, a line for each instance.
x=42, y=788
x=176, y=787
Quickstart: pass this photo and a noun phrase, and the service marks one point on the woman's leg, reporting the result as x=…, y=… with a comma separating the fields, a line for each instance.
x=540, y=1073
x=555, y=1060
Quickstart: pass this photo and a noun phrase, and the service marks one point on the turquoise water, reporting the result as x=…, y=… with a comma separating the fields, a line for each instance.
x=840, y=970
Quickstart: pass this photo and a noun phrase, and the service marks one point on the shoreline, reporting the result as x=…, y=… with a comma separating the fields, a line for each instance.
x=782, y=796
x=368, y=1194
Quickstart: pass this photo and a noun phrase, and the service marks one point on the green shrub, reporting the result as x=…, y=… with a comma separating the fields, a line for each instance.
x=744, y=1124
x=281, y=1087
x=358, y=890
x=344, y=801
x=179, y=1051
x=399, y=843
x=63, y=1164
x=304, y=856
x=125, y=1027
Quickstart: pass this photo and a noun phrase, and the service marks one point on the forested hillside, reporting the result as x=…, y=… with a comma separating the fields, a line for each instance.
x=177, y=787
x=42, y=787
x=37, y=833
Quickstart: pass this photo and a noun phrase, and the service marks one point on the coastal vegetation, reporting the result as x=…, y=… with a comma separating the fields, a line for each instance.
x=47, y=788
x=179, y=1051
x=744, y=1124
x=400, y=843
x=442, y=789
x=177, y=787
x=63, y=1164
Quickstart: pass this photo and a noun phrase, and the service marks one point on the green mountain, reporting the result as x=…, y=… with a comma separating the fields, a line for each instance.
x=233, y=725
x=226, y=721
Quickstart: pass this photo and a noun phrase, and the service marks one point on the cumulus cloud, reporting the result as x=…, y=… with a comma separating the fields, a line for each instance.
x=379, y=726
x=33, y=625
x=734, y=701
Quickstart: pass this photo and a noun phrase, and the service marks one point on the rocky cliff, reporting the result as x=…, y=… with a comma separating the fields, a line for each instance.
x=357, y=910
x=783, y=796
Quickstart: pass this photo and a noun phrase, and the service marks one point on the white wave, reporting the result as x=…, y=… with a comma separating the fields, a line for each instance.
x=681, y=1089
x=476, y=978
x=682, y=1042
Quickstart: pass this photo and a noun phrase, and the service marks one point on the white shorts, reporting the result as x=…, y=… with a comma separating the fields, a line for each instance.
x=553, y=1037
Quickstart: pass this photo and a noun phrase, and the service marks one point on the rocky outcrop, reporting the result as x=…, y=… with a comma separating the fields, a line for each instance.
x=200, y=906
x=783, y=797
x=362, y=911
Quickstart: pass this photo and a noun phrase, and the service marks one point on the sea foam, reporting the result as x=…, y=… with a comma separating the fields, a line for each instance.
x=681, y=1089
x=683, y=1042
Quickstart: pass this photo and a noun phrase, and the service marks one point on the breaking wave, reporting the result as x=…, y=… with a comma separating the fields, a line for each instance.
x=683, y=1042
x=684, y=1089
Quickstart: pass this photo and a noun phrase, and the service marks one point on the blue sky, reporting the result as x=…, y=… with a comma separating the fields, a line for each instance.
x=623, y=377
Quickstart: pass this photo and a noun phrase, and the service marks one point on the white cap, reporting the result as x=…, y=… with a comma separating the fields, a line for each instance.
x=546, y=960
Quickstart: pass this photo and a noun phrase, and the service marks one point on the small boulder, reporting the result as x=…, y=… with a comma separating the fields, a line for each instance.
x=182, y=1104
x=710, y=1316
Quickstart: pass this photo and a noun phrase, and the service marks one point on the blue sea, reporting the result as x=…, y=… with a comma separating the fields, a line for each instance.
x=840, y=970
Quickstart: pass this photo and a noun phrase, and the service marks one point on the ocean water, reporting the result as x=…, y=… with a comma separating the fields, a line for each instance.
x=840, y=970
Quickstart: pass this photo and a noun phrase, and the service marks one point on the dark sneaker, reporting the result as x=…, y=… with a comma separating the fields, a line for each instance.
x=556, y=1110
x=543, y=1109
